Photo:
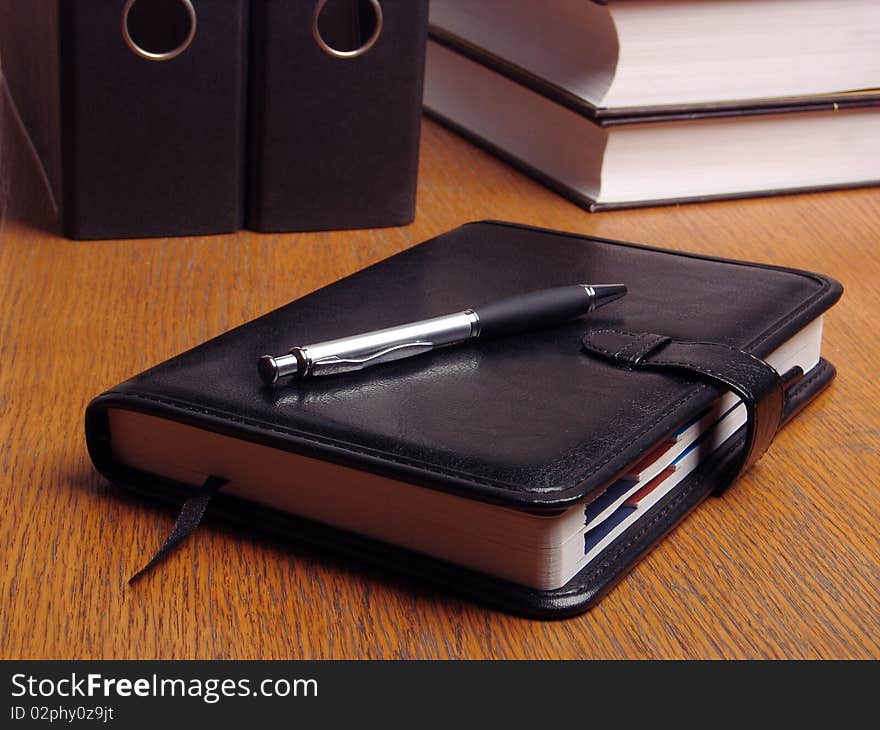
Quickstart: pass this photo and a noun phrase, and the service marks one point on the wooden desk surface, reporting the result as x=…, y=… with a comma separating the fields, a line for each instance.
x=784, y=565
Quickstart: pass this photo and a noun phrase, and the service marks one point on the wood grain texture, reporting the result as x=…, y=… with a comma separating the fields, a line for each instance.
x=784, y=565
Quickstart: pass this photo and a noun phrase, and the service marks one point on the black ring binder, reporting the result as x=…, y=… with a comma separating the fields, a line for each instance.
x=334, y=135
x=133, y=147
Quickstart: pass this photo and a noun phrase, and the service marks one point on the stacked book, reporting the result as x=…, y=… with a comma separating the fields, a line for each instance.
x=621, y=103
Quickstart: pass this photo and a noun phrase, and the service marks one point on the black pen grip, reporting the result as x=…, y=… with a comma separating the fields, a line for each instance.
x=534, y=310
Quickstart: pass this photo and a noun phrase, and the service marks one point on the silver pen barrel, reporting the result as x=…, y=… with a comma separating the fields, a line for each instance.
x=353, y=353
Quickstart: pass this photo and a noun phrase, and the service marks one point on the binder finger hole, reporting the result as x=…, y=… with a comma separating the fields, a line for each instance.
x=158, y=30
x=347, y=28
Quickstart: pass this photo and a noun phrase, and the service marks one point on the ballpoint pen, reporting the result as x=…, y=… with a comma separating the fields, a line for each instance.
x=529, y=311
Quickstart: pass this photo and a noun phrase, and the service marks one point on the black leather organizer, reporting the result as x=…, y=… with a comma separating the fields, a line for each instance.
x=535, y=422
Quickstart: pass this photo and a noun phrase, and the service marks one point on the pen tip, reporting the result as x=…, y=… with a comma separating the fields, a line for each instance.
x=268, y=369
x=606, y=293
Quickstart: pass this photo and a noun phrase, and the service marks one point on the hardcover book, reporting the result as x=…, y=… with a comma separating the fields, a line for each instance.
x=650, y=157
x=604, y=162
x=529, y=471
x=646, y=57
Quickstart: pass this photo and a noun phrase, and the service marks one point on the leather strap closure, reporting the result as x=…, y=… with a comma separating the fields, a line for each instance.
x=758, y=385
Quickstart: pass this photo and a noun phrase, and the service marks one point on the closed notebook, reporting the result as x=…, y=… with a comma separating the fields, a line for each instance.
x=530, y=471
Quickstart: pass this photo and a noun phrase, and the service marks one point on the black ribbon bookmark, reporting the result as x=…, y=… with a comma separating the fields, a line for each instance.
x=187, y=521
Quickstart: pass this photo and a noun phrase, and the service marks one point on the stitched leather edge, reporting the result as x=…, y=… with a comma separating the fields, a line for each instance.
x=424, y=466
x=824, y=282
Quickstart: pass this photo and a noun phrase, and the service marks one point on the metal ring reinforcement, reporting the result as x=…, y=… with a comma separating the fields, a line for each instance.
x=165, y=55
x=335, y=52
